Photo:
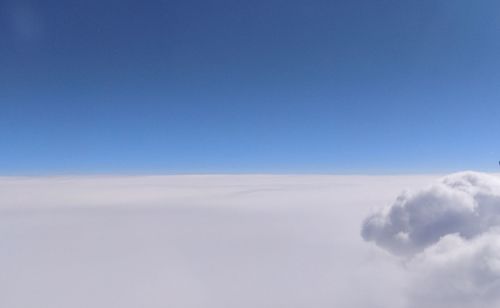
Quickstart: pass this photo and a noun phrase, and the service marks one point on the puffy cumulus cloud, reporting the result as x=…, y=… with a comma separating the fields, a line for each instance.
x=466, y=203
x=448, y=236
x=456, y=272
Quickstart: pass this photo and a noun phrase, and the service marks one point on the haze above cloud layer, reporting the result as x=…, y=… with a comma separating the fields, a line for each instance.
x=249, y=241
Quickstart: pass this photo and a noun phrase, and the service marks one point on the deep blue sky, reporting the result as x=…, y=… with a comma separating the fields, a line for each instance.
x=249, y=86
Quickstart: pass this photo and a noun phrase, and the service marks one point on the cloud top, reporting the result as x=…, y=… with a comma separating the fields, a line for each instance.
x=449, y=237
x=466, y=203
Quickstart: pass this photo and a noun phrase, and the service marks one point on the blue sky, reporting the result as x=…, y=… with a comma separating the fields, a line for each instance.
x=249, y=86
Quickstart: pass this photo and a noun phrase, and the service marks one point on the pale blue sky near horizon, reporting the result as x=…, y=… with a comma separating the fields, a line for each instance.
x=249, y=86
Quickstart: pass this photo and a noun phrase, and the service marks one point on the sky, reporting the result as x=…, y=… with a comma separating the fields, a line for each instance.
x=237, y=86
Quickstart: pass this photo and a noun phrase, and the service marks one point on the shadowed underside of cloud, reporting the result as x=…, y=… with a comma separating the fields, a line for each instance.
x=448, y=234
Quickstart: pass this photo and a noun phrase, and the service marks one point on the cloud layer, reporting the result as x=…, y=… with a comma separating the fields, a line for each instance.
x=448, y=234
x=192, y=241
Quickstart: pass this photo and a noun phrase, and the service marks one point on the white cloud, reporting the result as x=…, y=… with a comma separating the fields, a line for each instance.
x=465, y=203
x=448, y=235
x=248, y=241
x=456, y=272
x=194, y=241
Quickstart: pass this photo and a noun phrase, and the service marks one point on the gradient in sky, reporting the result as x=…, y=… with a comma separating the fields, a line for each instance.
x=249, y=86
